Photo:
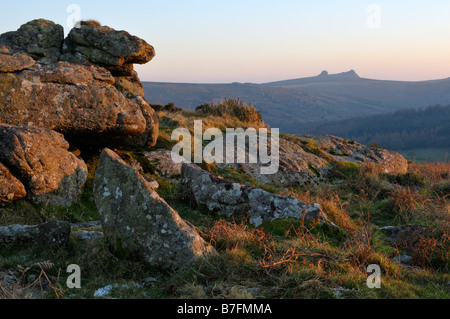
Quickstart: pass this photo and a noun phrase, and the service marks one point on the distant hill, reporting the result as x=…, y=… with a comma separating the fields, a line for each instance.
x=293, y=104
x=401, y=130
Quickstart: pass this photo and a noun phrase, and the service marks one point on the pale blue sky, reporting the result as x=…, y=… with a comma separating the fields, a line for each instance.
x=259, y=40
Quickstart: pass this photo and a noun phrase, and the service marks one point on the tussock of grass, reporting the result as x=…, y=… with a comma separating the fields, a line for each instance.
x=90, y=23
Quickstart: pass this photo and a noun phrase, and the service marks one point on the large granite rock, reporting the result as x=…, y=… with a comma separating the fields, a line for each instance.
x=24, y=236
x=227, y=198
x=140, y=224
x=40, y=39
x=295, y=165
x=76, y=94
x=309, y=159
x=79, y=101
x=102, y=45
x=39, y=159
x=118, y=45
x=340, y=149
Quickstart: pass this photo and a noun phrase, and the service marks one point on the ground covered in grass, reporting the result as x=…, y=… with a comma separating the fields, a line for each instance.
x=281, y=259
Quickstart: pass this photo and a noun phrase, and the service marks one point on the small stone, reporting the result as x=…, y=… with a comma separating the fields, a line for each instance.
x=23, y=236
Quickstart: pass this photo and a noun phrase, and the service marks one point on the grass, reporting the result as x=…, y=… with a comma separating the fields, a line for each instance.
x=282, y=258
x=227, y=114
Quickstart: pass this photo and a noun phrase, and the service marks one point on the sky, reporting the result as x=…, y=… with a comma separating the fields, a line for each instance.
x=258, y=41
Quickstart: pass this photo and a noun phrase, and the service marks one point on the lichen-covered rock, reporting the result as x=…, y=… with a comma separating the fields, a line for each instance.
x=39, y=159
x=140, y=224
x=165, y=166
x=308, y=159
x=75, y=93
x=77, y=100
x=296, y=167
x=23, y=236
x=227, y=198
x=10, y=187
x=15, y=62
x=351, y=151
x=105, y=46
x=41, y=39
x=130, y=84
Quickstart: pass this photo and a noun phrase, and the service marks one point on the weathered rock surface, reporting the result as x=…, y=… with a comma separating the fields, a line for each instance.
x=48, y=234
x=16, y=62
x=228, y=198
x=296, y=166
x=307, y=159
x=105, y=46
x=76, y=100
x=88, y=235
x=10, y=187
x=82, y=100
x=164, y=164
x=343, y=150
x=41, y=39
x=139, y=223
x=39, y=159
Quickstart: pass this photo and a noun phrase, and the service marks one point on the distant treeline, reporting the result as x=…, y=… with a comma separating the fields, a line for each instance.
x=401, y=130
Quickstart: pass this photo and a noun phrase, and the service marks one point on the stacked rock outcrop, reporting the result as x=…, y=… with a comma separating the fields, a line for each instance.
x=83, y=86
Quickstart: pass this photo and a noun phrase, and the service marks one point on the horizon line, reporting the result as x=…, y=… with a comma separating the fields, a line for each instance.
x=293, y=79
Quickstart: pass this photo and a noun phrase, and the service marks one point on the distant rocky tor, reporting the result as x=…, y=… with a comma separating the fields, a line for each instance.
x=83, y=86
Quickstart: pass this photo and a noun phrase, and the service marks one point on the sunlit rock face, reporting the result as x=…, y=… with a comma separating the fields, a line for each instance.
x=83, y=86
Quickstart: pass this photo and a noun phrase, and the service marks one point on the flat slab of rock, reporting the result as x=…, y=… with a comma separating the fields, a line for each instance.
x=105, y=46
x=87, y=235
x=227, y=198
x=140, y=224
x=23, y=236
x=295, y=166
x=16, y=62
x=40, y=160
